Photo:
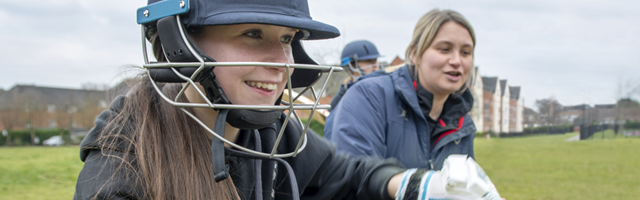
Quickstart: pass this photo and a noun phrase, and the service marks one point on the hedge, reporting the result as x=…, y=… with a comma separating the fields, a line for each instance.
x=632, y=125
x=23, y=137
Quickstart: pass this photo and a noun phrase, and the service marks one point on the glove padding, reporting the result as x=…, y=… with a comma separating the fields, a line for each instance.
x=460, y=178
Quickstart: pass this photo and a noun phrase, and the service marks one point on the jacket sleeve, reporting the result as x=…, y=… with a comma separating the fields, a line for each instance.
x=104, y=176
x=358, y=126
x=340, y=176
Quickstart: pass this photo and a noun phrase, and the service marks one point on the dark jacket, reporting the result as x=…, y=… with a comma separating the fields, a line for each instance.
x=381, y=116
x=319, y=171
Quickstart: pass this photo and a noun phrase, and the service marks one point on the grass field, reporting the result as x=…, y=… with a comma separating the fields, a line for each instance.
x=547, y=167
x=539, y=167
x=38, y=172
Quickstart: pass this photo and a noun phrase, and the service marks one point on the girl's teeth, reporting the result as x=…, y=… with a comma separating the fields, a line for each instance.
x=267, y=86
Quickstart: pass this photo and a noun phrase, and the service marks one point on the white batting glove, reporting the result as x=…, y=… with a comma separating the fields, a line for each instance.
x=460, y=178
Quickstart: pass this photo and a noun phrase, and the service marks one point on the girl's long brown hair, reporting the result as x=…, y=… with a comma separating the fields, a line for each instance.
x=166, y=152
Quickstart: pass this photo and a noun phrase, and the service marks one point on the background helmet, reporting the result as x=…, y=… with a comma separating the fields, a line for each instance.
x=187, y=63
x=355, y=51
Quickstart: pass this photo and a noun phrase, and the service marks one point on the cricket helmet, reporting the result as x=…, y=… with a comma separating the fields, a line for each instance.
x=186, y=63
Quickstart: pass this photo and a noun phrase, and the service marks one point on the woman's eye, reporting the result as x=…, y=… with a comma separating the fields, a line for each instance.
x=286, y=39
x=443, y=49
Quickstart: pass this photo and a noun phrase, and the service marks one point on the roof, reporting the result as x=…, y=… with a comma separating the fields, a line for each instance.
x=503, y=83
x=514, y=92
x=489, y=84
x=397, y=61
x=605, y=106
x=49, y=95
x=576, y=107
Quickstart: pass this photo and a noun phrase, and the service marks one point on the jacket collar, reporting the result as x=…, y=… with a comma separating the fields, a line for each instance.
x=454, y=108
x=403, y=84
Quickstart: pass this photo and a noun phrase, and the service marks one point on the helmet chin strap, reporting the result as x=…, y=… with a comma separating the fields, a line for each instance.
x=242, y=119
x=220, y=167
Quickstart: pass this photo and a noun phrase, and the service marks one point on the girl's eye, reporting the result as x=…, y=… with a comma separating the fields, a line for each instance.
x=443, y=49
x=253, y=33
x=286, y=39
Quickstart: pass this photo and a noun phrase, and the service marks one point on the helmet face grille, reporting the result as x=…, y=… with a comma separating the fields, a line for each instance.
x=196, y=67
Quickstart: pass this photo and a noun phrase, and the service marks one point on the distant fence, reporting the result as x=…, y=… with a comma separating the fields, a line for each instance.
x=547, y=130
x=587, y=131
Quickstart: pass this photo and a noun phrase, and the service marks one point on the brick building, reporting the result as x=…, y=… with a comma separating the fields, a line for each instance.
x=28, y=106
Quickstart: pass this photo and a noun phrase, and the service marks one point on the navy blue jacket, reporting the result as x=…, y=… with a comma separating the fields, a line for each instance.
x=343, y=88
x=381, y=116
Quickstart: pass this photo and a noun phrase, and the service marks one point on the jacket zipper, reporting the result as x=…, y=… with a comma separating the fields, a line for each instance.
x=431, y=163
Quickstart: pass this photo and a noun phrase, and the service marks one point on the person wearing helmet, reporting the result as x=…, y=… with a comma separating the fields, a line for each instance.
x=419, y=113
x=205, y=120
x=360, y=60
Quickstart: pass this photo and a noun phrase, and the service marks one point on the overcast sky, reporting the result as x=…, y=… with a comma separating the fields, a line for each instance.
x=576, y=51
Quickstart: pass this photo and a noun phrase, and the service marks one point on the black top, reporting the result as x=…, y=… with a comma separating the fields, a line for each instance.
x=454, y=108
x=321, y=173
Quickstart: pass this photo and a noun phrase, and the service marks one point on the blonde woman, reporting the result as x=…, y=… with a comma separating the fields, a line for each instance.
x=418, y=113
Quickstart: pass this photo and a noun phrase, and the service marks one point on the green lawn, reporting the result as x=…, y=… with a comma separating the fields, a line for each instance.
x=547, y=167
x=537, y=167
x=38, y=172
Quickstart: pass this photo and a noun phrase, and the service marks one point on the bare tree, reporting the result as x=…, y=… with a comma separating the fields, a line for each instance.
x=549, y=110
x=530, y=117
x=627, y=108
x=628, y=88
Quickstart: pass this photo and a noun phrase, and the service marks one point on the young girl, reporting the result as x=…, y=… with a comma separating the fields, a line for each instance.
x=205, y=121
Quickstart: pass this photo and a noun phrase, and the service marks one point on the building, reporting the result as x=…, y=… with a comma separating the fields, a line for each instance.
x=30, y=106
x=396, y=61
x=491, y=104
x=516, y=110
x=504, y=107
x=575, y=114
x=477, y=111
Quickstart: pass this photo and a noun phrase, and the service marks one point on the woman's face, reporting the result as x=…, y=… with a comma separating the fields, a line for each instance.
x=445, y=65
x=249, y=85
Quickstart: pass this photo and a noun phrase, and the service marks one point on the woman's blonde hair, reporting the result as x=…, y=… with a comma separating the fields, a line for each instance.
x=426, y=31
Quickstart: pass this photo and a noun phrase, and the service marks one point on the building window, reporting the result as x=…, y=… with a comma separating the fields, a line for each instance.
x=51, y=108
x=52, y=123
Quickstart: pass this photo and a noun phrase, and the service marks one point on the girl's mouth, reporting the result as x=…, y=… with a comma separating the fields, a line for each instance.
x=261, y=85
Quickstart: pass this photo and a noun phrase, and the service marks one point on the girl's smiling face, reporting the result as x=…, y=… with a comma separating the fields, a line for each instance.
x=249, y=85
